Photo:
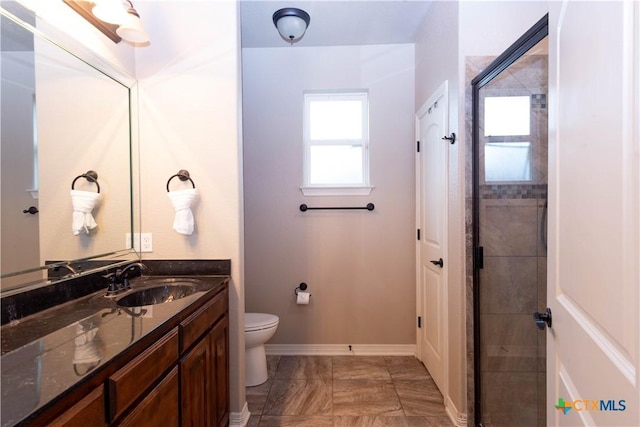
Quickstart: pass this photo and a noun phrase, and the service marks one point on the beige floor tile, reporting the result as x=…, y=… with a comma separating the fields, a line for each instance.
x=365, y=397
x=272, y=365
x=380, y=421
x=349, y=391
x=434, y=422
x=296, y=421
x=304, y=368
x=420, y=398
x=406, y=368
x=360, y=368
x=299, y=397
x=257, y=397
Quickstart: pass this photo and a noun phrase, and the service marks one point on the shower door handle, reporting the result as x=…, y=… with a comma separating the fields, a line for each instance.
x=542, y=319
x=439, y=263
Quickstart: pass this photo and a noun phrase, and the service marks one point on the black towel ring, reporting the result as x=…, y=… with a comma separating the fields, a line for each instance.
x=183, y=175
x=90, y=176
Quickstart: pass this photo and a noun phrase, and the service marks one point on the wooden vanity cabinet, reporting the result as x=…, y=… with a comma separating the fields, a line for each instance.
x=182, y=379
x=204, y=367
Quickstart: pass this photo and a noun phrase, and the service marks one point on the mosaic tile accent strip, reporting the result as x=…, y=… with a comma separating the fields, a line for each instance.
x=539, y=100
x=513, y=191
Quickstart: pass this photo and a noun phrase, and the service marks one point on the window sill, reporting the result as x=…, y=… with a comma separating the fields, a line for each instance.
x=362, y=190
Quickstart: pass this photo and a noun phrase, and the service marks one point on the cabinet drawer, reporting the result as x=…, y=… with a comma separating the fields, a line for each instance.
x=194, y=326
x=130, y=382
x=88, y=412
x=160, y=407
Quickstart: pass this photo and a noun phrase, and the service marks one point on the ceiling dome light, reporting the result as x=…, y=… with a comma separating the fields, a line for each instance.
x=291, y=23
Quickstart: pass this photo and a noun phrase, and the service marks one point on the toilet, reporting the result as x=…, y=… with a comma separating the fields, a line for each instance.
x=258, y=329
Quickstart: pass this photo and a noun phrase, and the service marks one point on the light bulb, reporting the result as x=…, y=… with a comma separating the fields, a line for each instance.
x=111, y=11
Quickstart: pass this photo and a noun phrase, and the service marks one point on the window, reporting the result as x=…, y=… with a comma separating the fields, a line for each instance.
x=336, y=144
x=507, y=148
x=507, y=161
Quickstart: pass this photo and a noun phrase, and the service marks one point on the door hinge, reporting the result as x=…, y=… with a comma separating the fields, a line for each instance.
x=418, y=145
x=418, y=233
x=419, y=321
x=479, y=257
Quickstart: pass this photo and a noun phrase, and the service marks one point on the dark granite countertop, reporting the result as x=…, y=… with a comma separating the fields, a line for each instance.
x=48, y=353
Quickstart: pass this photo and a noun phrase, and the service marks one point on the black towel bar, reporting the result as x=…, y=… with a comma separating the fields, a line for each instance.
x=369, y=207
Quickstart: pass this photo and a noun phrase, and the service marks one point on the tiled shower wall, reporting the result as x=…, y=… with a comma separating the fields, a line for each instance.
x=513, y=280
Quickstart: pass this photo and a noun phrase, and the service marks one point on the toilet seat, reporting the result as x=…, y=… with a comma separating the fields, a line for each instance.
x=259, y=321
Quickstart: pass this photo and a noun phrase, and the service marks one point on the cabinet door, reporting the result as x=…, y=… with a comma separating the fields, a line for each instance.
x=219, y=375
x=159, y=407
x=195, y=385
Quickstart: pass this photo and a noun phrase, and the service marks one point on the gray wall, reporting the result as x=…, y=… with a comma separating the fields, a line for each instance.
x=359, y=265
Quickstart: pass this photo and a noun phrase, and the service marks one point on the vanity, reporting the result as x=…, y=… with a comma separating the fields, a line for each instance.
x=69, y=355
x=93, y=361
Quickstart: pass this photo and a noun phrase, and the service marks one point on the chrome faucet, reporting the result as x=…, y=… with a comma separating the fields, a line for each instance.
x=119, y=280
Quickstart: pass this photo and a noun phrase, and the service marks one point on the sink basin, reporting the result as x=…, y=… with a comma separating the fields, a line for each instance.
x=156, y=295
x=151, y=290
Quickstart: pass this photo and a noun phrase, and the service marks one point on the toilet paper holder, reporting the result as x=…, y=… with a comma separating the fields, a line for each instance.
x=301, y=287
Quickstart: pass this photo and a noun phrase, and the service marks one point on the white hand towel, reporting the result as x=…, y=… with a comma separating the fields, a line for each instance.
x=83, y=203
x=181, y=201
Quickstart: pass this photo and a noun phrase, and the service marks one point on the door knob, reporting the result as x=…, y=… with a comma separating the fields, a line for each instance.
x=542, y=319
x=32, y=210
x=439, y=263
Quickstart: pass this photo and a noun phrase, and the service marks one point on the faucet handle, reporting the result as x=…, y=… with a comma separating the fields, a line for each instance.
x=113, y=281
x=125, y=281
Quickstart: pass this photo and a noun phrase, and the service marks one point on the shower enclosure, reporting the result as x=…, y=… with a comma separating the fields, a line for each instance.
x=509, y=233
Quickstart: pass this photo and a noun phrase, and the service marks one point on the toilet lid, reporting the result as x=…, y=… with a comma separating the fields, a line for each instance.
x=257, y=321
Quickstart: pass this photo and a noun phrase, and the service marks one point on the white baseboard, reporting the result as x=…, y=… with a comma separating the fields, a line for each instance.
x=459, y=419
x=341, y=349
x=240, y=419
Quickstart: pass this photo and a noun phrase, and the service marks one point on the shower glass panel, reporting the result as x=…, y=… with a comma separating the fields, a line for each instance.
x=510, y=146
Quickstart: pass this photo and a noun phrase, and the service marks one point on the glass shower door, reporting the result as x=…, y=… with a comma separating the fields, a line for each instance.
x=510, y=241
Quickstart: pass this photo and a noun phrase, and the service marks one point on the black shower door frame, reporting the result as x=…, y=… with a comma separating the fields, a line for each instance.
x=532, y=37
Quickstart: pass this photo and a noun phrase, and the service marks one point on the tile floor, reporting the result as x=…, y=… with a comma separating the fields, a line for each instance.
x=346, y=391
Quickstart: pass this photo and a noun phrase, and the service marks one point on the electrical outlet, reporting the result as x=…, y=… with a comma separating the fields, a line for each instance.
x=146, y=242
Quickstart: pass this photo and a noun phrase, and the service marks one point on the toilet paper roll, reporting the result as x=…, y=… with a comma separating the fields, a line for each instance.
x=303, y=298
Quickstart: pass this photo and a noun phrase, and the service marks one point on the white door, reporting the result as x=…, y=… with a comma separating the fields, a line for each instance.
x=594, y=214
x=431, y=187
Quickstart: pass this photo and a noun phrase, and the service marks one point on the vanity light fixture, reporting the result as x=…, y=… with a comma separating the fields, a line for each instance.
x=117, y=19
x=291, y=23
x=131, y=28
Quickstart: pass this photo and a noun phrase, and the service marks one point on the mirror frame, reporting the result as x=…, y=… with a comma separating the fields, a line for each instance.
x=95, y=262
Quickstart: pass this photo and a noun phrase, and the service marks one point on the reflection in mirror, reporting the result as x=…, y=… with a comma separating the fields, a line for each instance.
x=61, y=117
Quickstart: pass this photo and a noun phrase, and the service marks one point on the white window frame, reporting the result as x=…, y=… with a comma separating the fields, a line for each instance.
x=362, y=189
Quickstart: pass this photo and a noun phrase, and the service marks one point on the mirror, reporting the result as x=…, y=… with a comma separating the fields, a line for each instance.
x=60, y=118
